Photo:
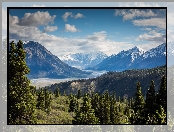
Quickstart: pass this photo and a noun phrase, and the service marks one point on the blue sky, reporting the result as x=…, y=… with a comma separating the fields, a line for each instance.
x=64, y=31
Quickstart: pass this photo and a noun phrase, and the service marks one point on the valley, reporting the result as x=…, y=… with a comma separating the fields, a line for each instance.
x=48, y=70
x=42, y=82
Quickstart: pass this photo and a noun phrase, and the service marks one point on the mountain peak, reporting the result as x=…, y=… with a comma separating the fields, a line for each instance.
x=137, y=48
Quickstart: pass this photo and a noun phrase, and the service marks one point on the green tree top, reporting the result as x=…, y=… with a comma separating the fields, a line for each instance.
x=21, y=100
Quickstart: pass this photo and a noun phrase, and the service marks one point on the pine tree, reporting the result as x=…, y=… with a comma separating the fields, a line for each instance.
x=113, y=110
x=86, y=114
x=21, y=100
x=41, y=100
x=57, y=92
x=150, y=105
x=106, y=119
x=79, y=94
x=161, y=97
x=95, y=99
x=139, y=106
x=101, y=108
x=73, y=106
x=48, y=100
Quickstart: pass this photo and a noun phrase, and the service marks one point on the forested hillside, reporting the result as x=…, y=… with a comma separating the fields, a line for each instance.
x=123, y=83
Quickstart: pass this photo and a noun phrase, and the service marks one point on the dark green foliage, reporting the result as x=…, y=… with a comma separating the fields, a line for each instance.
x=161, y=97
x=113, y=110
x=121, y=82
x=21, y=100
x=79, y=94
x=57, y=92
x=139, y=99
x=86, y=114
x=101, y=108
x=73, y=106
x=150, y=103
x=139, y=106
x=106, y=119
x=105, y=109
x=95, y=102
x=41, y=100
x=48, y=100
x=44, y=100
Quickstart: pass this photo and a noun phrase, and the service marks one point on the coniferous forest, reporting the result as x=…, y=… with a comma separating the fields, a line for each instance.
x=28, y=105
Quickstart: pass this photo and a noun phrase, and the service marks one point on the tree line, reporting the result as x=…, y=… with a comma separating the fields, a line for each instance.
x=85, y=108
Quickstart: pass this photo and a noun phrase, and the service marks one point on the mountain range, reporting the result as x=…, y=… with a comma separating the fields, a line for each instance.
x=83, y=60
x=133, y=58
x=43, y=64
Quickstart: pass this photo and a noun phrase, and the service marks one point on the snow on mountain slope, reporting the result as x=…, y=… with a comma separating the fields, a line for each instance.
x=83, y=60
x=43, y=64
x=134, y=58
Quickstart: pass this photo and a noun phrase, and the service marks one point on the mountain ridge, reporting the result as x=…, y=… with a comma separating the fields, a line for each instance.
x=43, y=64
x=134, y=58
x=83, y=60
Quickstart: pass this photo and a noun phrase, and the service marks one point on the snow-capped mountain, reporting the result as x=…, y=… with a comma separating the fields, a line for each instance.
x=134, y=58
x=83, y=60
x=155, y=52
x=151, y=58
x=43, y=64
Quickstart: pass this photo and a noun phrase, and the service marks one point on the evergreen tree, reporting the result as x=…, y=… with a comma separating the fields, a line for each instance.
x=150, y=105
x=48, y=100
x=113, y=110
x=73, y=106
x=139, y=106
x=57, y=92
x=101, y=108
x=79, y=94
x=21, y=101
x=86, y=114
x=161, y=97
x=106, y=119
x=95, y=99
x=41, y=100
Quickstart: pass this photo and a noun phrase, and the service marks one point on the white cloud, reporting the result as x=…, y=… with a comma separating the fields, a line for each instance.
x=148, y=46
x=70, y=28
x=158, y=22
x=152, y=36
x=66, y=15
x=78, y=16
x=49, y=29
x=59, y=45
x=36, y=19
x=133, y=13
x=148, y=29
x=129, y=37
x=70, y=14
x=97, y=36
